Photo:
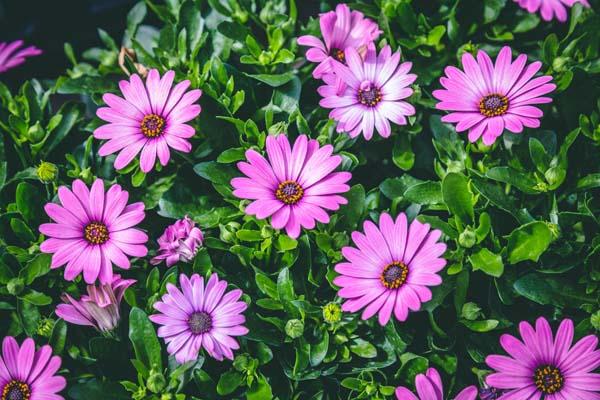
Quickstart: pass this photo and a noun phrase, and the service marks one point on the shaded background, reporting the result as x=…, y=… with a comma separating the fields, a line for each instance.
x=48, y=24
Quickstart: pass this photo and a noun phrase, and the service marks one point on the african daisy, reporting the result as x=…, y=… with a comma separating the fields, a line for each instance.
x=429, y=387
x=27, y=374
x=371, y=94
x=179, y=242
x=150, y=119
x=390, y=268
x=11, y=56
x=487, y=98
x=550, y=8
x=93, y=230
x=341, y=29
x=544, y=367
x=295, y=186
x=199, y=316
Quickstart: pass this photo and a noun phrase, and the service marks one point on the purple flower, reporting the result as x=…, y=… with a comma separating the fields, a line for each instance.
x=430, y=387
x=490, y=393
x=550, y=8
x=295, y=186
x=366, y=95
x=99, y=308
x=487, y=98
x=151, y=119
x=93, y=230
x=27, y=374
x=546, y=367
x=11, y=56
x=390, y=268
x=341, y=29
x=179, y=242
x=199, y=316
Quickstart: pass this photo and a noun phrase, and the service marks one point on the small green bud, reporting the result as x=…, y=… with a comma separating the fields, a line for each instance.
x=46, y=171
x=15, y=286
x=467, y=238
x=156, y=381
x=332, y=313
x=45, y=326
x=595, y=320
x=228, y=232
x=294, y=328
x=559, y=64
x=265, y=57
x=241, y=362
x=36, y=133
x=166, y=396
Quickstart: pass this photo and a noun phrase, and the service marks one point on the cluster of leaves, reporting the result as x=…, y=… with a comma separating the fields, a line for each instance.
x=520, y=217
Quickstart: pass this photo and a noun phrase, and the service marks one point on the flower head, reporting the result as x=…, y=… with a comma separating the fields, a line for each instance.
x=93, y=230
x=390, y=268
x=332, y=313
x=488, y=98
x=179, y=242
x=367, y=95
x=199, y=316
x=46, y=171
x=27, y=374
x=545, y=367
x=295, y=186
x=550, y=8
x=341, y=29
x=151, y=119
x=99, y=308
x=429, y=387
x=12, y=55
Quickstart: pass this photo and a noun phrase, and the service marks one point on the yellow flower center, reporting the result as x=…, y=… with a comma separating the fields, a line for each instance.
x=152, y=125
x=289, y=192
x=548, y=379
x=16, y=390
x=394, y=275
x=493, y=105
x=96, y=233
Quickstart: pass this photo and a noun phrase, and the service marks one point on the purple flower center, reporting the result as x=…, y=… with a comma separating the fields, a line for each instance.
x=338, y=55
x=394, y=275
x=16, y=390
x=548, y=379
x=368, y=94
x=493, y=105
x=200, y=322
x=289, y=192
x=490, y=393
x=96, y=233
x=152, y=125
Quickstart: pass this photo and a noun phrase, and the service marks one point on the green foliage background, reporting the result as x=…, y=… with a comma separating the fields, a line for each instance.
x=520, y=218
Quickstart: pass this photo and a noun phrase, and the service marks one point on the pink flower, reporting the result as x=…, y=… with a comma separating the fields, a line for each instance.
x=99, y=308
x=199, y=316
x=550, y=8
x=430, y=387
x=179, y=242
x=369, y=93
x=487, y=98
x=545, y=367
x=390, y=268
x=93, y=230
x=295, y=186
x=11, y=56
x=150, y=119
x=27, y=374
x=341, y=29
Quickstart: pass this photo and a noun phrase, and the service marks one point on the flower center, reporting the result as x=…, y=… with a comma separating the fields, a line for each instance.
x=338, y=55
x=493, y=105
x=200, y=322
x=16, y=390
x=96, y=233
x=368, y=94
x=289, y=192
x=152, y=125
x=394, y=275
x=548, y=379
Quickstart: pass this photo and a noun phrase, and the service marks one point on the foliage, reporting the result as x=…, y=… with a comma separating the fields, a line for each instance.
x=520, y=218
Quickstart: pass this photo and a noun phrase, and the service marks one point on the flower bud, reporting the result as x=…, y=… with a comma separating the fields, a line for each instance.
x=294, y=328
x=46, y=171
x=467, y=238
x=156, y=381
x=15, y=286
x=36, y=133
x=45, y=326
x=332, y=313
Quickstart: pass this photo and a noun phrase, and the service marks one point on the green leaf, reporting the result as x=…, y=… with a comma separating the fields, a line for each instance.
x=458, y=196
x=554, y=290
x=363, y=349
x=259, y=390
x=98, y=390
x=425, y=193
x=143, y=337
x=273, y=80
x=36, y=298
x=481, y=326
x=59, y=336
x=528, y=242
x=229, y=382
x=29, y=202
x=521, y=181
x=352, y=213
x=36, y=268
x=492, y=9
x=487, y=262
x=220, y=174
